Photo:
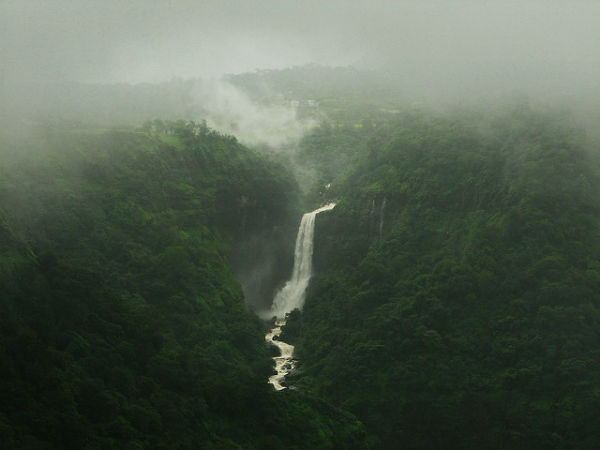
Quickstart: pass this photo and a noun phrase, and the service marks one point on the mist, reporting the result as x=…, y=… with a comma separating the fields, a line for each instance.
x=116, y=63
x=232, y=111
x=436, y=50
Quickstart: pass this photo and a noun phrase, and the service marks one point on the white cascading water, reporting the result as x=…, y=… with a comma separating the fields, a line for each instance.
x=284, y=363
x=292, y=295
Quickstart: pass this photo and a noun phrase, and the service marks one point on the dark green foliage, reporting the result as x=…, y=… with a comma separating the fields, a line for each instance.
x=456, y=302
x=121, y=322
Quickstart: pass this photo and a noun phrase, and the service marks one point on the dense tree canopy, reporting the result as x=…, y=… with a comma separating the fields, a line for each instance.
x=457, y=300
x=121, y=322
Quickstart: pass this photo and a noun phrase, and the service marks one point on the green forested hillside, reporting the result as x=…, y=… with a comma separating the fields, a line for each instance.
x=121, y=322
x=456, y=301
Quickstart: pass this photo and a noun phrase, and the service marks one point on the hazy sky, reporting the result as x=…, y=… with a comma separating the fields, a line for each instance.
x=453, y=44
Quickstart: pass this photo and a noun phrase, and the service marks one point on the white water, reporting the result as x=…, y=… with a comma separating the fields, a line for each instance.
x=292, y=295
x=284, y=363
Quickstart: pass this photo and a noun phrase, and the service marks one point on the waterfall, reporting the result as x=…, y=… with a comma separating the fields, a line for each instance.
x=292, y=295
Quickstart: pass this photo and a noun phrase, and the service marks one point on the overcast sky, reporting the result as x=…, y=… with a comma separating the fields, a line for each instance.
x=453, y=44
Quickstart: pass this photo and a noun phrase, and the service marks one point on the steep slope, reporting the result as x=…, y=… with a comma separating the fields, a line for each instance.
x=122, y=324
x=457, y=296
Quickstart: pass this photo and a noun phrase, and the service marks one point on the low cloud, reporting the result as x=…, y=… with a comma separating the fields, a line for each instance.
x=230, y=110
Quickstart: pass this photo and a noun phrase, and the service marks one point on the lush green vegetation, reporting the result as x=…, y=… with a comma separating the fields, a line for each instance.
x=457, y=296
x=455, y=302
x=122, y=324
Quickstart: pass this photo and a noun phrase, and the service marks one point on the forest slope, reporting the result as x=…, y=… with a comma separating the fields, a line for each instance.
x=457, y=296
x=122, y=324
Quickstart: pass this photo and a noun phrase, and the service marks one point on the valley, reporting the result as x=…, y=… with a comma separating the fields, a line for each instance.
x=361, y=272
